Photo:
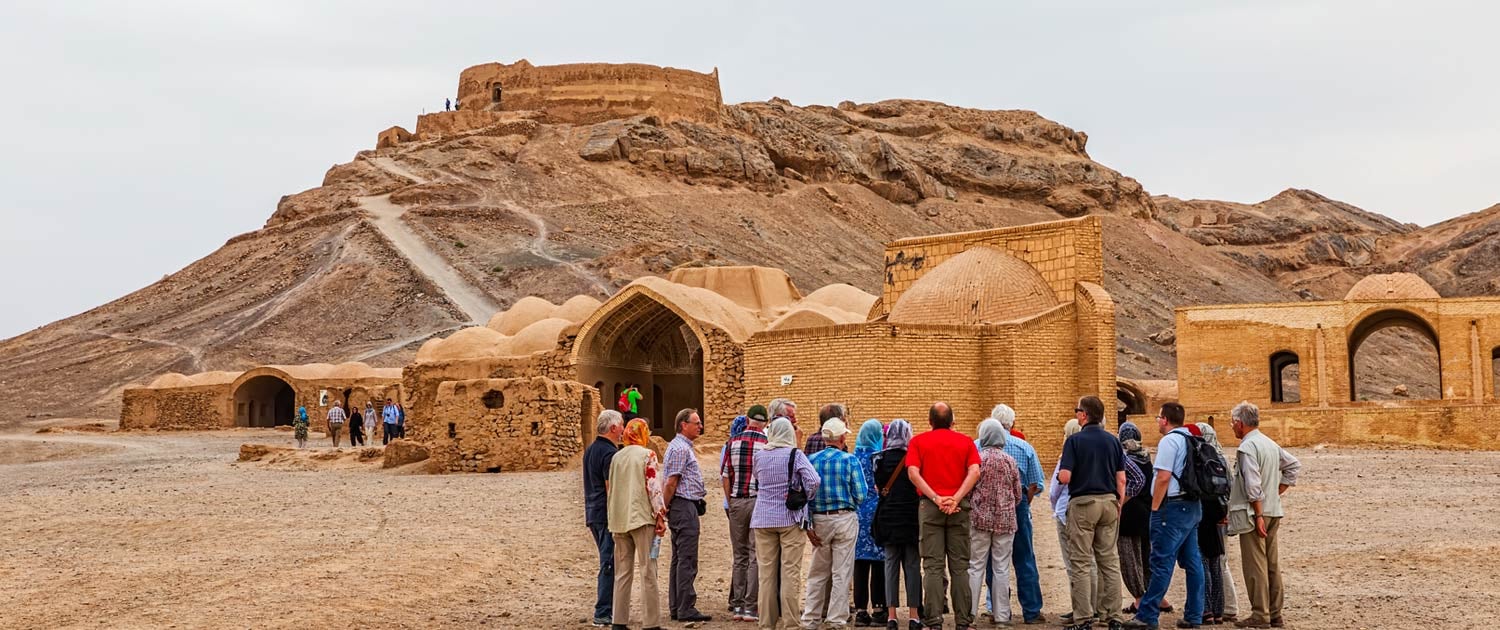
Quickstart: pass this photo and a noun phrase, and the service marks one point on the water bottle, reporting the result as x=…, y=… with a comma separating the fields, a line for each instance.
x=655, y=547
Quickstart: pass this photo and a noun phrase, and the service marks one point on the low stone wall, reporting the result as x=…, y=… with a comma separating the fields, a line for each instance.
x=1437, y=424
x=176, y=408
x=506, y=424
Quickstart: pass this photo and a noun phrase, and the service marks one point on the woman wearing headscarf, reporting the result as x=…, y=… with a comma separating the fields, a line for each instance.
x=779, y=530
x=1211, y=532
x=637, y=514
x=1135, y=521
x=1059, y=496
x=993, y=517
x=895, y=526
x=869, y=560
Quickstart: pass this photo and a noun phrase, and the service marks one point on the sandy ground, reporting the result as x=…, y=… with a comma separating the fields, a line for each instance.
x=132, y=530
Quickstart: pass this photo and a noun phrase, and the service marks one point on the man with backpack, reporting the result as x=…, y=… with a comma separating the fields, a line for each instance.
x=1183, y=479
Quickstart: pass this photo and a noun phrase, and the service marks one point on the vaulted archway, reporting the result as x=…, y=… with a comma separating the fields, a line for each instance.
x=1394, y=354
x=644, y=341
x=264, y=401
x=1286, y=375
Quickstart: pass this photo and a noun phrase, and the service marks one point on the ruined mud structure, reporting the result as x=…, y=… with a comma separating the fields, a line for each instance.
x=266, y=396
x=1297, y=361
x=579, y=93
x=1013, y=314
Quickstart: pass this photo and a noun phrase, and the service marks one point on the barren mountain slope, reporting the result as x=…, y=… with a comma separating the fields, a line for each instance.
x=525, y=207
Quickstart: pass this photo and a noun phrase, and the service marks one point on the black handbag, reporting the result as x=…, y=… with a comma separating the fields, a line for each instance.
x=796, y=498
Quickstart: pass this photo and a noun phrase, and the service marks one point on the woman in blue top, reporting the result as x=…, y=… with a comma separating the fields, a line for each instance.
x=869, y=559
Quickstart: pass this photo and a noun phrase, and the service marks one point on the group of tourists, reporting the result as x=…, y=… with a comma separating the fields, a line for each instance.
x=872, y=502
x=392, y=415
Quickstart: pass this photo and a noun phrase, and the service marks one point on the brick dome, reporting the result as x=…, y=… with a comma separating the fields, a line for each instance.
x=980, y=286
x=1392, y=286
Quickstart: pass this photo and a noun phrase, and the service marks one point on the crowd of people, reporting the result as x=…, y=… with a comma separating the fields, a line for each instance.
x=941, y=516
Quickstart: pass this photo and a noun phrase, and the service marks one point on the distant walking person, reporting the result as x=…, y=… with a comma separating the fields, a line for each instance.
x=835, y=527
x=1093, y=467
x=895, y=526
x=1265, y=472
x=684, y=494
x=780, y=523
x=609, y=429
x=356, y=427
x=637, y=516
x=390, y=416
x=1174, y=525
x=944, y=466
x=336, y=420
x=993, y=520
x=447, y=104
x=736, y=470
x=400, y=421
x=370, y=420
x=299, y=427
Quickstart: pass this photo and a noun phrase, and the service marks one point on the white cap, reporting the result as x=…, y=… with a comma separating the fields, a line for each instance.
x=834, y=429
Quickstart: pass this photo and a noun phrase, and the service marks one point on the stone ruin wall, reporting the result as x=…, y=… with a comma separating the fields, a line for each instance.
x=1064, y=252
x=890, y=371
x=177, y=408
x=723, y=385
x=392, y=137
x=507, y=424
x=586, y=93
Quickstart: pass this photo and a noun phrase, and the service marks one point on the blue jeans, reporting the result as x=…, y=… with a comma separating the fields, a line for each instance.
x=604, y=604
x=1174, y=538
x=1023, y=557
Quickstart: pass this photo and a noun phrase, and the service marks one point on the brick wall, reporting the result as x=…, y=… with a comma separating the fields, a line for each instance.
x=507, y=424
x=176, y=408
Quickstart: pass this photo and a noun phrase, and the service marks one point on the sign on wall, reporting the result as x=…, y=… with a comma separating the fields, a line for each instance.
x=322, y=398
x=786, y=379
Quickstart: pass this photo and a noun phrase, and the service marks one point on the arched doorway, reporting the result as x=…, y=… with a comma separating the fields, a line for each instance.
x=1394, y=355
x=1285, y=377
x=1132, y=402
x=264, y=401
x=643, y=341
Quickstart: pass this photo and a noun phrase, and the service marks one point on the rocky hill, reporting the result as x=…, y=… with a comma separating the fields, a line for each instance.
x=412, y=241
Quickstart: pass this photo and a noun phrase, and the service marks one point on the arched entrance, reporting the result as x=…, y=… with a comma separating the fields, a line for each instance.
x=1132, y=402
x=264, y=401
x=645, y=342
x=1394, y=354
x=1285, y=377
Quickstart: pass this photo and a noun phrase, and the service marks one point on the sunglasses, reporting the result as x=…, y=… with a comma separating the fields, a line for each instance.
x=1078, y=410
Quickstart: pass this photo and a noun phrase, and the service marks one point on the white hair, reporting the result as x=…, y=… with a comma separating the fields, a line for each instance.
x=1246, y=413
x=1005, y=415
x=608, y=420
x=778, y=407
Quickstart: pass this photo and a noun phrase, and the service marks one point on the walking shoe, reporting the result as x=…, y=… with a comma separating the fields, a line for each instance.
x=749, y=615
x=1251, y=623
x=738, y=614
x=1080, y=626
x=879, y=617
x=1135, y=624
x=1276, y=622
x=862, y=620
x=694, y=616
x=602, y=622
x=1183, y=623
x=892, y=625
x=913, y=624
x=1037, y=620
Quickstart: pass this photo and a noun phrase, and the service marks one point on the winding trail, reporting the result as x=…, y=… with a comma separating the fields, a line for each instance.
x=540, y=248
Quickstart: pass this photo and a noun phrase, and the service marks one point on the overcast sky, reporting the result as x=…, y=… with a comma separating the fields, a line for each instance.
x=140, y=136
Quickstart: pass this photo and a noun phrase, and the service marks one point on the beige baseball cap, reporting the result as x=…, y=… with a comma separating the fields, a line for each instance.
x=834, y=428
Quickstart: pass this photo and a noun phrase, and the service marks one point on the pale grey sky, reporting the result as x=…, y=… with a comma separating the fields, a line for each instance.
x=139, y=136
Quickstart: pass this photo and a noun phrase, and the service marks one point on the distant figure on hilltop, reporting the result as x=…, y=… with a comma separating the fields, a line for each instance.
x=447, y=104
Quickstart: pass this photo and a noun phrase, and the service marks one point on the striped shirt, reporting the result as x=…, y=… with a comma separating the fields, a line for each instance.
x=771, y=487
x=336, y=415
x=843, y=482
x=682, y=462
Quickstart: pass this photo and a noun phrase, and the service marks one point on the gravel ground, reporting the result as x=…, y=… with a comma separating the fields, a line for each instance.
x=138, y=530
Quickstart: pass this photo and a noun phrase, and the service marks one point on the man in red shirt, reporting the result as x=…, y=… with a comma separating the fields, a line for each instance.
x=944, y=466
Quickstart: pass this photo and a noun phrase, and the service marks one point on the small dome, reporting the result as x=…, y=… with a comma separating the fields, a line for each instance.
x=170, y=379
x=539, y=336
x=525, y=312
x=1392, y=286
x=577, y=308
x=980, y=286
x=470, y=343
x=844, y=297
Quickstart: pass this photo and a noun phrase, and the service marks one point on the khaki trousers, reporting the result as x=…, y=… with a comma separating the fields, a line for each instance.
x=1262, y=560
x=633, y=549
x=1067, y=560
x=778, y=552
x=832, y=570
x=945, y=543
x=1093, y=536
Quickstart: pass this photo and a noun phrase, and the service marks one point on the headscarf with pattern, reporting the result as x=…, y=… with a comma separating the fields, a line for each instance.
x=738, y=426
x=1211, y=436
x=637, y=432
x=871, y=436
x=897, y=434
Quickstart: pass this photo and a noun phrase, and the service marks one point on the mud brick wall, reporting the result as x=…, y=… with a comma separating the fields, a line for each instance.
x=507, y=424
x=177, y=408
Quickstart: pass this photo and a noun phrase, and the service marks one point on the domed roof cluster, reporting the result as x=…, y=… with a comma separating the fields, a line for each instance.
x=173, y=379
x=982, y=285
x=1392, y=286
x=530, y=325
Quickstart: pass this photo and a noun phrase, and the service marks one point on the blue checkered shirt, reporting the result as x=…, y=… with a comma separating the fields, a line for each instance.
x=843, y=483
x=1026, y=461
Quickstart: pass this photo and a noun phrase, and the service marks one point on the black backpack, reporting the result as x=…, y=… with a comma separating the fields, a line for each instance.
x=1205, y=475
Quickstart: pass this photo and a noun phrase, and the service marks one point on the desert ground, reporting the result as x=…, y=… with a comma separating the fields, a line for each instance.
x=168, y=530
